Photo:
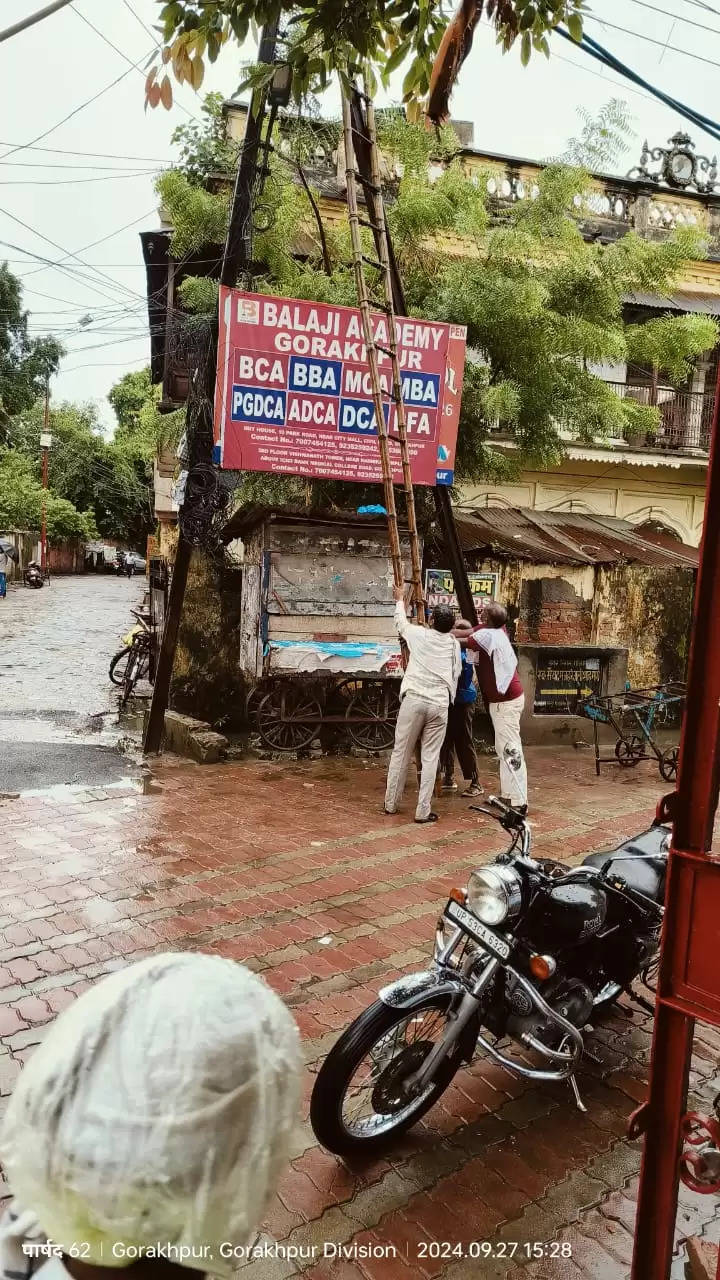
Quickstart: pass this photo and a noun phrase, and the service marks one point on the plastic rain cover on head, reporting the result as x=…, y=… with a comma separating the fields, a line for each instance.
x=159, y=1108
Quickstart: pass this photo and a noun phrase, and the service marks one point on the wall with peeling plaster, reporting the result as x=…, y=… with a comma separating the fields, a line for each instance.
x=329, y=586
x=206, y=680
x=645, y=609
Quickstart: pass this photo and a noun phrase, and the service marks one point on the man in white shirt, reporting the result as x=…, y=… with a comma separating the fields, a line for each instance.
x=426, y=691
x=503, y=694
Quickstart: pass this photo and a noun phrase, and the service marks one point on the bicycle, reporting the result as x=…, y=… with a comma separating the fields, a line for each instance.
x=136, y=661
x=118, y=663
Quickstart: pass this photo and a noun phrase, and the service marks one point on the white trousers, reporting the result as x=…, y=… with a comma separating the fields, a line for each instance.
x=417, y=719
x=505, y=717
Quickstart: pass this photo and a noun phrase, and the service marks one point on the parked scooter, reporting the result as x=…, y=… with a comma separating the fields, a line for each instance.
x=530, y=951
x=33, y=576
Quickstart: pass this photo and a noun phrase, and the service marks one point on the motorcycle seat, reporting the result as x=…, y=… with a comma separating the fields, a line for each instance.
x=632, y=863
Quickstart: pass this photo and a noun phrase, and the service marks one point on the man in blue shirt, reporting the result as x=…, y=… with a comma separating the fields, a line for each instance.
x=459, y=735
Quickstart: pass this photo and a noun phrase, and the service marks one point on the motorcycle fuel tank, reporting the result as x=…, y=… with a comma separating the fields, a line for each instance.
x=570, y=914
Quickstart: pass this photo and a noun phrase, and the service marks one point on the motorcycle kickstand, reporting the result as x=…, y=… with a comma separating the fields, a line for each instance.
x=576, y=1093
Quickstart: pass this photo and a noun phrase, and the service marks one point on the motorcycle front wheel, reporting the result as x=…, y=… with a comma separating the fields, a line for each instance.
x=357, y=1104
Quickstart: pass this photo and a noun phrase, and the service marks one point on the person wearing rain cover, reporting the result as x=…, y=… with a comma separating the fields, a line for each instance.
x=149, y=1129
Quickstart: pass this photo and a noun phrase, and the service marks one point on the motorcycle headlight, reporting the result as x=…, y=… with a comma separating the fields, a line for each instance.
x=494, y=894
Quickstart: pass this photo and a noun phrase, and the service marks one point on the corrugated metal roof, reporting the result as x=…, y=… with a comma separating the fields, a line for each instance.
x=568, y=537
x=696, y=301
x=252, y=514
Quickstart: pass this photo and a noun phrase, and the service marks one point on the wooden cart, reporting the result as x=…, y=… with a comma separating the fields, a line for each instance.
x=318, y=640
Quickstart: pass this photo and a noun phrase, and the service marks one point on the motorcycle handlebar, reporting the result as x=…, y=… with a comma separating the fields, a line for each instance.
x=498, y=809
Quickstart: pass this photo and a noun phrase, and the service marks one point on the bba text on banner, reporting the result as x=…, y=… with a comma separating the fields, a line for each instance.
x=294, y=393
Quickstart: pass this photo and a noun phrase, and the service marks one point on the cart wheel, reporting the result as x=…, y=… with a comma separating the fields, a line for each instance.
x=254, y=698
x=288, y=718
x=629, y=751
x=669, y=764
x=378, y=701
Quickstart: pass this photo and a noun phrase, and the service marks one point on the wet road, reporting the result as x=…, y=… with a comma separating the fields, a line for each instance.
x=57, y=715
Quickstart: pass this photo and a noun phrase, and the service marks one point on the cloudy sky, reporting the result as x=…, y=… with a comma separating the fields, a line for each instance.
x=78, y=153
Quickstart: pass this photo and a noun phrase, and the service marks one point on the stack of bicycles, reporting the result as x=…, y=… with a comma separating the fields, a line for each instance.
x=136, y=660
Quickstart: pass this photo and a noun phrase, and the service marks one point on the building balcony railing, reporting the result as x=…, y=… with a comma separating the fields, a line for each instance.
x=685, y=418
x=685, y=424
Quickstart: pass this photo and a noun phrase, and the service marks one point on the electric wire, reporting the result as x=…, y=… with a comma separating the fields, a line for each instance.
x=69, y=182
x=110, y=235
x=136, y=16
x=76, y=110
x=595, y=50
x=675, y=17
x=119, y=51
x=71, y=272
x=64, y=151
x=697, y=57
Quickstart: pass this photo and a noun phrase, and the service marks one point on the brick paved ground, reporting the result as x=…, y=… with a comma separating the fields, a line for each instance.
x=259, y=862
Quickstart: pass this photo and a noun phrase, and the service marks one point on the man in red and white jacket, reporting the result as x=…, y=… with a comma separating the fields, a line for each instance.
x=497, y=675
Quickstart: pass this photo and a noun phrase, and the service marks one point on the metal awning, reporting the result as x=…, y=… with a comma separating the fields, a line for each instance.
x=695, y=301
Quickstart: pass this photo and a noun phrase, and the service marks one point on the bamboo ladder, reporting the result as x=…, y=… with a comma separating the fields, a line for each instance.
x=376, y=223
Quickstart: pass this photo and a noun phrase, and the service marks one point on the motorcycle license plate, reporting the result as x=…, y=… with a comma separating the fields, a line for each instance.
x=472, y=925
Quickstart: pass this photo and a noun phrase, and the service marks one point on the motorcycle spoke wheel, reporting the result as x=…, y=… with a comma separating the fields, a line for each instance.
x=377, y=1081
x=360, y=1101
x=649, y=976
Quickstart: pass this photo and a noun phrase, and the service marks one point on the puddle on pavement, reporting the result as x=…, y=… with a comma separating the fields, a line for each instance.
x=66, y=789
x=66, y=727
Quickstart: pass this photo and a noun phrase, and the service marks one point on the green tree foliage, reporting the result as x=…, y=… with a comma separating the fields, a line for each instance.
x=603, y=139
x=128, y=398
x=670, y=344
x=346, y=35
x=21, y=502
x=25, y=362
x=206, y=152
x=107, y=484
x=543, y=308
x=198, y=217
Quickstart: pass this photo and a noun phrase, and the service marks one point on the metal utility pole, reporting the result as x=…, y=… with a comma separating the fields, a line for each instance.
x=238, y=244
x=237, y=256
x=45, y=442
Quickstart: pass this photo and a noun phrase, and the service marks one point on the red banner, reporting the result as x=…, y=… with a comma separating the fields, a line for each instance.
x=294, y=395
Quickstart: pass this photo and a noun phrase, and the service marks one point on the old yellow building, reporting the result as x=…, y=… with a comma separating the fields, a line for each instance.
x=656, y=481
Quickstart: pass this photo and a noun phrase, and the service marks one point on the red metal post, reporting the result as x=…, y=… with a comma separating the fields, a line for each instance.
x=687, y=985
x=43, y=525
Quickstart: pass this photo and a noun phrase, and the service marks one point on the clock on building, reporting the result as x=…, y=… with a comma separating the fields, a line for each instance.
x=677, y=165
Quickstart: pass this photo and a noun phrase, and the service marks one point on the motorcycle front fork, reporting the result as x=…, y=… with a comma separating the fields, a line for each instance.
x=563, y=1061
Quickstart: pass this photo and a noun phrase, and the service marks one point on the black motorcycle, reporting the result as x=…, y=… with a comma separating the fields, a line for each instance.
x=531, y=951
x=33, y=575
